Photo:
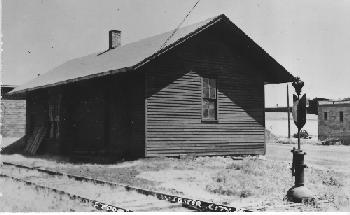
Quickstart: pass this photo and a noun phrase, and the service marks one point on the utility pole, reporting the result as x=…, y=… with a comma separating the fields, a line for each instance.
x=288, y=110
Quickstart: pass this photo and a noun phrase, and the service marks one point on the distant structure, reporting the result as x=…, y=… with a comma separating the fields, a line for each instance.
x=13, y=113
x=313, y=105
x=334, y=120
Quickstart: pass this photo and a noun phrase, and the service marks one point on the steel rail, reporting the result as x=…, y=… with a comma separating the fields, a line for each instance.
x=96, y=204
x=197, y=205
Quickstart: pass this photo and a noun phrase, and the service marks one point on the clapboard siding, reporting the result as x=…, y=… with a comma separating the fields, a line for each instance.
x=13, y=115
x=137, y=115
x=174, y=100
x=87, y=116
x=118, y=117
x=104, y=117
x=107, y=116
x=36, y=113
x=37, y=116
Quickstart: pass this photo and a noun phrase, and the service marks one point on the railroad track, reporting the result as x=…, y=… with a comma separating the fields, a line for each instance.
x=128, y=198
x=96, y=204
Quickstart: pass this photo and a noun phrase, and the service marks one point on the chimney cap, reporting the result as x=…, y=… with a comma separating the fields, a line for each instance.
x=114, y=38
x=116, y=31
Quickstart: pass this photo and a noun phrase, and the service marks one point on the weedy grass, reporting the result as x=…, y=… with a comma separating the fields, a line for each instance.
x=114, y=195
x=293, y=140
x=18, y=197
x=271, y=180
x=251, y=177
x=219, y=179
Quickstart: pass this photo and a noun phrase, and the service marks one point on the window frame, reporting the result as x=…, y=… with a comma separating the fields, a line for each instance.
x=209, y=120
x=341, y=116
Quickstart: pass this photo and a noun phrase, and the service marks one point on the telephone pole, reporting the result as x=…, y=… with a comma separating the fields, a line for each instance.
x=288, y=110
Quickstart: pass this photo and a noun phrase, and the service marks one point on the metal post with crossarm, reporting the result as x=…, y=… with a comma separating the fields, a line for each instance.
x=298, y=192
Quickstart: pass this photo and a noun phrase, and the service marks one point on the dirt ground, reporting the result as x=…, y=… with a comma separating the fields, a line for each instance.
x=333, y=157
x=5, y=141
x=321, y=157
x=248, y=182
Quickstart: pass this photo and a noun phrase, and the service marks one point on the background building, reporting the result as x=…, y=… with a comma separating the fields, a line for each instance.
x=13, y=113
x=334, y=120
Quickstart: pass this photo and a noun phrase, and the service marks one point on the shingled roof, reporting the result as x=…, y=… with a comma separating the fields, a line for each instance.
x=132, y=56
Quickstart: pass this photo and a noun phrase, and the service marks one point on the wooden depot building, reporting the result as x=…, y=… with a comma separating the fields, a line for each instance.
x=199, y=91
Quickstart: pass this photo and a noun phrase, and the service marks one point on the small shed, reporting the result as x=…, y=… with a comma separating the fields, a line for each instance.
x=334, y=120
x=199, y=91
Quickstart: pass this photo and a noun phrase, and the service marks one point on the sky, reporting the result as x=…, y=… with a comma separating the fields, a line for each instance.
x=310, y=38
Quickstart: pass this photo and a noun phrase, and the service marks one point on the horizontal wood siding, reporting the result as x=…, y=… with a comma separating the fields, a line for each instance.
x=126, y=116
x=118, y=116
x=102, y=117
x=125, y=113
x=137, y=115
x=13, y=117
x=174, y=100
x=87, y=117
x=36, y=114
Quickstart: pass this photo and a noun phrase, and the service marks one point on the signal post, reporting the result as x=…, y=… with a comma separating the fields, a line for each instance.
x=299, y=192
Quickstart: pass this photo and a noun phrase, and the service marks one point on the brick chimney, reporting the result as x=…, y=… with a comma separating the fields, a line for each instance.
x=114, y=39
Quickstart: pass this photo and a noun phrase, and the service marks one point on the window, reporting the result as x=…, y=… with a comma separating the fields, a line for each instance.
x=325, y=115
x=341, y=116
x=209, y=99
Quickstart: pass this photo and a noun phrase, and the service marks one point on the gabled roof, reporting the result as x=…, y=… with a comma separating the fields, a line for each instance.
x=132, y=56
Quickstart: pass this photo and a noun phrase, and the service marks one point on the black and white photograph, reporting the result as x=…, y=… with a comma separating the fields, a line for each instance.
x=175, y=106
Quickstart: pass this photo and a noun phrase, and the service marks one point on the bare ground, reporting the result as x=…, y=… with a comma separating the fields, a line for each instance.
x=223, y=180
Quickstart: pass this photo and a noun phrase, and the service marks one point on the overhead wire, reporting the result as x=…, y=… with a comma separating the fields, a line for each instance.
x=177, y=28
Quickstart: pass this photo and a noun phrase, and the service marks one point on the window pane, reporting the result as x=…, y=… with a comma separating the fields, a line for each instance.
x=205, y=92
x=212, y=93
x=205, y=88
x=212, y=86
x=212, y=110
x=341, y=116
x=211, y=105
x=209, y=99
x=205, y=83
x=205, y=104
x=212, y=83
x=212, y=114
x=205, y=113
